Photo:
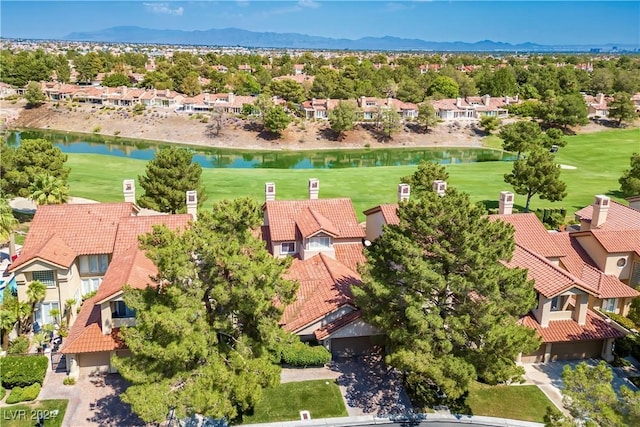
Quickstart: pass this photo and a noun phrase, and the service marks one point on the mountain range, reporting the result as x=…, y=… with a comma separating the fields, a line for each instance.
x=245, y=38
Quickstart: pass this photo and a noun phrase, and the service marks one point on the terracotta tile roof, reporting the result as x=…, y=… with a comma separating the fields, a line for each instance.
x=549, y=279
x=85, y=229
x=131, y=227
x=350, y=254
x=311, y=222
x=86, y=335
x=389, y=213
x=578, y=262
x=325, y=285
x=283, y=214
x=530, y=233
x=619, y=217
x=568, y=330
x=337, y=324
x=54, y=250
x=618, y=240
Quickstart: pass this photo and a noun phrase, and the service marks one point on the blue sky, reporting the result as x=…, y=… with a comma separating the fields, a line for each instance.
x=545, y=22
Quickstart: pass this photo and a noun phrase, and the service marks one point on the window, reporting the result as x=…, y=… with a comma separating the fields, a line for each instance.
x=42, y=315
x=609, y=305
x=121, y=311
x=319, y=243
x=555, y=304
x=45, y=277
x=288, y=248
x=90, y=285
x=94, y=264
x=621, y=262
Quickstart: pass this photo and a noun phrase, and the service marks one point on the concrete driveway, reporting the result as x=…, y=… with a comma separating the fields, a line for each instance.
x=548, y=377
x=370, y=387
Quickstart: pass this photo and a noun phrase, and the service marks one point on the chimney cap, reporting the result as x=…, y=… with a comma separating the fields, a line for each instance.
x=602, y=200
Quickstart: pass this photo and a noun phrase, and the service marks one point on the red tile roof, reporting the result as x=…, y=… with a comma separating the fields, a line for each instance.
x=84, y=229
x=389, y=213
x=530, y=233
x=311, y=222
x=325, y=286
x=86, y=334
x=282, y=216
x=337, y=324
x=549, y=279
x=619, y=217
x=350, y=254
x=618, y=240
x=568, y=330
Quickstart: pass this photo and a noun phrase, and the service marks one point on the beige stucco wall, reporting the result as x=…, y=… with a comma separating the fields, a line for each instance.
x=375, y=221
x=356, y=329
x=94, y=362
x=311, y=328
x=594, y=249
x=611, y=265
x=544, y=314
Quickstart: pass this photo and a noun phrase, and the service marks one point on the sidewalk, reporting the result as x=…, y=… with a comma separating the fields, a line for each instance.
x=290, y=375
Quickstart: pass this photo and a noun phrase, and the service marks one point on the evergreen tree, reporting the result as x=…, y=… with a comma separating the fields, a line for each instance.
x=537, y=175
x=520, y=137
x=427, y=115
x=116, y=80
x=630, y=179
x=34, y=94
x=444, y=87
x=190, y=84
x=276, y=120
x=388, y=121
x=622, y=108
x=436, y=286
x=489, y=123
x=343, y=117
x=207, y=338
x=422, y=179
x=168, y=177
x=32, y=158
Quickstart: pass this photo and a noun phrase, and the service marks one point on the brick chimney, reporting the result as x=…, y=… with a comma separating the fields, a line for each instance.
x=314, y=188
x=440, y=187
x=192, y=204
x=505, y=204
x=600, y=210
x=404, y=191
x=269, y=191
x=129, y=190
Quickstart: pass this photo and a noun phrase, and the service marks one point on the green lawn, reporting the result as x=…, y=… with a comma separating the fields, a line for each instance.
x=26, y=415
x=525, y=402
x=599, y=158
x=284, y=402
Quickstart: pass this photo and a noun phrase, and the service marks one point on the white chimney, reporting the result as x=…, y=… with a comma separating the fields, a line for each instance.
x=440, y=187
x=486, y=99
x=404, y=191
x=600, y=210
x=314, y=188
x=600, y=98
x=192, y=204
x=458, y=102
x=505, y=204
x=269, y=191
x=129, y=190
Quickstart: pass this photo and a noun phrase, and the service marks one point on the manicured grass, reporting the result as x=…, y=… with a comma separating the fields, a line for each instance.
x=600, y=159
x=321, y=398
x=26, y=415
x=524, y=402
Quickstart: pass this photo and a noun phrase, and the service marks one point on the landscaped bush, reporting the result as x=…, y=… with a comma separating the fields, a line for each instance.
x=628, y=346
x=2, y=392
x=22, y=371
x=623, y=321
x=69, y=381
x=19, y=394
x=303, y=355
x=19, y=345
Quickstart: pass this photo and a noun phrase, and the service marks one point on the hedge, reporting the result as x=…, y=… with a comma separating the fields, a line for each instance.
x=627, y=323
x=22, y=371
x=2, y=392
x=19, y=394
x=302, y=355
x=629, y=345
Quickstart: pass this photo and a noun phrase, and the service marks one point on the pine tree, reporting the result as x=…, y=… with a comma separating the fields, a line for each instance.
x=207, y=337
x=422, y=179
x=168, y=177
x=630, y=179
x=622, y=108
x=435, y=285
x=343, y=117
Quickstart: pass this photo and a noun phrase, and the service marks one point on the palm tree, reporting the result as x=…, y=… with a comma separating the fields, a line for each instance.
x=7, y=322
x=48, y=190
x=35, y=294
x=7, y=221
x=68, y=309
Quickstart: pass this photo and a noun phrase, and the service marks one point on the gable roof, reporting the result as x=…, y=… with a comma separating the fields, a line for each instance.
x=530, y=233
x=311, y=222
x=84, y=229
x=619, y=217
x=337, y=324
x=389, y=213
x=350, y=254
x=549, y=279
x=282, y=216
x=325, y=286
x=595, y=328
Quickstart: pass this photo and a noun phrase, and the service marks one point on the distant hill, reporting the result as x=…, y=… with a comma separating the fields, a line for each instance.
x=238, y=37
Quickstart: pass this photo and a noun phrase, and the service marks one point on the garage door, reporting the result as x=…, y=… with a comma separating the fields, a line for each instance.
x=535, y=357
x=576, y=350
x=356, y=346
x=93, y=362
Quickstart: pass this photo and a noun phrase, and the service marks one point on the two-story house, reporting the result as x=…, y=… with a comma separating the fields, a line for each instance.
x=326, y=241
x=80, y=249
x=473, y=107
x=318, y=108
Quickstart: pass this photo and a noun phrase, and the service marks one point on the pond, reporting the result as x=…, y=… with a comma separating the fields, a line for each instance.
x=235, y=158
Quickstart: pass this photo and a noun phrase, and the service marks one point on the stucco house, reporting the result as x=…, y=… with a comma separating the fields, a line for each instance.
x=473, y=107
x=225, y=102
x=573, y=289
x=371, y=106
x=318, y=108
x=325, y=240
